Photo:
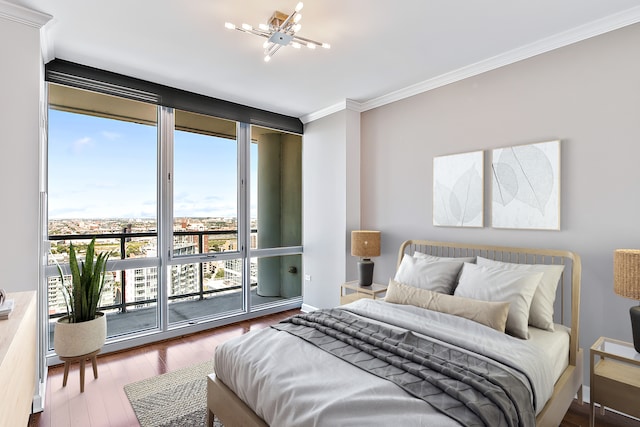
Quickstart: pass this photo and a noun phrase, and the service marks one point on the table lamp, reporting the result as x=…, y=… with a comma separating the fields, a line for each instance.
x=365, y=244
x=626, y=283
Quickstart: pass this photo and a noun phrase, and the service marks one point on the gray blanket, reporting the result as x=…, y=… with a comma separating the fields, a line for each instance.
x=474, y=391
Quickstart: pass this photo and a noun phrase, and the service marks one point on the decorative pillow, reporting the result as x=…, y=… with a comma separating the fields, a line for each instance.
x=426, y=274
x=491, y=314
x=499, y=284
x=541, y=311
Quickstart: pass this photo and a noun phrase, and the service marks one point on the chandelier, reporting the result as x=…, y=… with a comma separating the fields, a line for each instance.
x=280, y=30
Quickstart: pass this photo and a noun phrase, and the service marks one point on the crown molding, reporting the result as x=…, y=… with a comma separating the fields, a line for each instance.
x=307, y=118
x=574, y=35
x=46, y=46
x=577, y=34
x=354, y=105
x=23, y=15
x=347, y=104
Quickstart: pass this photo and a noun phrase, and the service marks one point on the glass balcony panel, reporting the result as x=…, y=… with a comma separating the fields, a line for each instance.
x=204, y=290
x=275, y=279
x=134, y=313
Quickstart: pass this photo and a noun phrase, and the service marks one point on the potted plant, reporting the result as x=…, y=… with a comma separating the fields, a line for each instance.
x=83, y=330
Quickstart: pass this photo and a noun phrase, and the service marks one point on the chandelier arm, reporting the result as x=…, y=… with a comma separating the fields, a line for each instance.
x=286, y=21
x=272, y=50
x=255, y=32
x=306, y=40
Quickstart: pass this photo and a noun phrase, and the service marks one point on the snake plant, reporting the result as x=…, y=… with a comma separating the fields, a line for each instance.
x=82, y=293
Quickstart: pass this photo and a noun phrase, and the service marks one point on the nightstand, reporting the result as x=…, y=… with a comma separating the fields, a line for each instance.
x=615, y=377
x=351, y=291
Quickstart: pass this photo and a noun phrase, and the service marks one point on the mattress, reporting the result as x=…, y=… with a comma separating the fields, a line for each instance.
x=287, y=381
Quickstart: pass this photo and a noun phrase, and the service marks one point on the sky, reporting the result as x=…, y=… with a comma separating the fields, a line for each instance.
x=105, y=168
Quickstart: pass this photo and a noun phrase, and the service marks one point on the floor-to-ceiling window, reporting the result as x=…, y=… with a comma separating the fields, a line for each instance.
x=206, y=250
x=202, y=214
x=102, y=183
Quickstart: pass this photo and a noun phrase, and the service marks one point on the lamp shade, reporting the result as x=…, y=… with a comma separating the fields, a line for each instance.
x=365, y=244
x=626, y=273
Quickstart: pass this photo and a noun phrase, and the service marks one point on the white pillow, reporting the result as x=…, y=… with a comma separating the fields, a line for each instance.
x=427, y=274
x=499, y=284
x=434, y=258
x=541, y=311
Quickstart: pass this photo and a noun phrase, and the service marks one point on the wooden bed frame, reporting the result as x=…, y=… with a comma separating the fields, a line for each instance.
x=232, y=411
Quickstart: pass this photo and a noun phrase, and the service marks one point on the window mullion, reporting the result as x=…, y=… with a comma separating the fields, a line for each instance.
x=166, y=120
x=244, y=220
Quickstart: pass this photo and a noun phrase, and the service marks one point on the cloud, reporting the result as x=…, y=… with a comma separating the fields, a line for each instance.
x=79, y=144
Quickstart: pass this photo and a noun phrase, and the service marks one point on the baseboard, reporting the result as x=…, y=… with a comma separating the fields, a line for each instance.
x=306, y=308
x=38, y=399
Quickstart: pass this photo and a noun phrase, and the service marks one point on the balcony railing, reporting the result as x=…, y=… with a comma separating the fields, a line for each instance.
x=125, y=237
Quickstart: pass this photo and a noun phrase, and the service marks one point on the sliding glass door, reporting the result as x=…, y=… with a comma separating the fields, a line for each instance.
x=207, y=260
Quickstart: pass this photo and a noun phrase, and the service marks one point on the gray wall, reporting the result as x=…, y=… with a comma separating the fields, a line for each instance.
x=587, y=95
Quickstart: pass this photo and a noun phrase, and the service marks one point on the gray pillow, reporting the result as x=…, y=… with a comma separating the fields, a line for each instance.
x=425, y=273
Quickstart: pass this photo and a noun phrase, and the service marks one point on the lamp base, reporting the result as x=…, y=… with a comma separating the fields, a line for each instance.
x=365, y=272
x=635, y=326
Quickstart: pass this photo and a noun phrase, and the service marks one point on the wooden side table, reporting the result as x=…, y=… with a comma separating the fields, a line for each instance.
x=352, y=291
x=82, y=359
x=615, y=377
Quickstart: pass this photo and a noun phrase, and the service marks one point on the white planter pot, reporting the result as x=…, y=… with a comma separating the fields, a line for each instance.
x=78, y=339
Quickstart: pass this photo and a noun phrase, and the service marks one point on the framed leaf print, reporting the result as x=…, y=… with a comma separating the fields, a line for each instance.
x=458, y=190
x=525, y=188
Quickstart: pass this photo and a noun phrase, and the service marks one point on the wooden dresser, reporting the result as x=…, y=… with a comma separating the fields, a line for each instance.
x=18, y=360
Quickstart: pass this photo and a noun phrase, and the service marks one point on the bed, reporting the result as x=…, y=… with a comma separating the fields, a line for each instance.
x=306, y=371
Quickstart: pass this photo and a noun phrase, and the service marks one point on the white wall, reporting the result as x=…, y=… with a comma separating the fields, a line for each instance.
x=19, y=132
x=587, y=95
x=331, y=206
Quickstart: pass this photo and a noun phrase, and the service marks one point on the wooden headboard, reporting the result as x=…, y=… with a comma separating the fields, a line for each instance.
x=569, y=282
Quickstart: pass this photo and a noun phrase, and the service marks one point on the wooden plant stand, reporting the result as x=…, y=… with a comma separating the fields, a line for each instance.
x=69, y=360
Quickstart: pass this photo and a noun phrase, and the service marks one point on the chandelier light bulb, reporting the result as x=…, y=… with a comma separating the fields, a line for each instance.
x=311, y=45
x=326, y=45
x=296, y=45
x=267, y=58
x=229, y=25
x=297, y=18
x=247, y=27
x=299, y=7
x=297, y=27
x=263, y=27
x=265, y=44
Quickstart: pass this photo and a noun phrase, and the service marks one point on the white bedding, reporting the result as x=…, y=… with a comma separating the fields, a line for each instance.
x=289, y=382
x=555, y=345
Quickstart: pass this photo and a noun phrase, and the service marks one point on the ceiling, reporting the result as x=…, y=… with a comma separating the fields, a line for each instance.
x=381, y=50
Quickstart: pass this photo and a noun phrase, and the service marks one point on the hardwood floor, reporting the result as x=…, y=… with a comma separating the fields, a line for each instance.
x=104, y=403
